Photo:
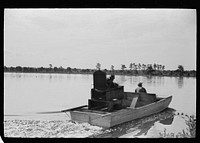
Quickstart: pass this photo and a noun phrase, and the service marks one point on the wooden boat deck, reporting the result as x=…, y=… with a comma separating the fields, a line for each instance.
x=109, y=119
x=128, y=100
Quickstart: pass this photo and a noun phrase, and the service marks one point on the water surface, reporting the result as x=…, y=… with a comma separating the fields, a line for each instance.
x=25, y=94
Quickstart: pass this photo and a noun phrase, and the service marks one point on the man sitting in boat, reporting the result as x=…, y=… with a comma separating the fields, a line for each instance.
x=140, y=89
x=110, y=83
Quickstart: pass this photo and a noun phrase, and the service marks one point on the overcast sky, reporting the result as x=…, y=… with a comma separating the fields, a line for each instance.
x=81, y=38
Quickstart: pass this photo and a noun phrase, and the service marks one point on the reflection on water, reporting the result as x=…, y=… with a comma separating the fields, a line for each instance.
x=180, y=82
x=33, y=92
x=139, y=126
x=149, y=79
x=155, y=81
x=167, y=121
x=121, y=79
x=50, y=77
x=26, y=93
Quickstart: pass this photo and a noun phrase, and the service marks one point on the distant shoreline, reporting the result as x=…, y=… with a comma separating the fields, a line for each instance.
x=108, y=73
x=129, y=72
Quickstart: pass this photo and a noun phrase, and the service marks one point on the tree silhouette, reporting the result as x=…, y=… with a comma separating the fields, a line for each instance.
x=131, y=66
x=98, y=66
x=139, y=66
x=123, y=67
x=50, y=66
x=154, y=66
x=112, y=67
x=69, y=69
x=143, y=66
x=163, y=67
x=180, y=70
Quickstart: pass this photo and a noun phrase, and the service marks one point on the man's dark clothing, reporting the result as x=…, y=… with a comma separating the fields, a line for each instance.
x=140, y=89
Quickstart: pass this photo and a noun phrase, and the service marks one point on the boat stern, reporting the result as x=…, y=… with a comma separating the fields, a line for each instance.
x=102, y=120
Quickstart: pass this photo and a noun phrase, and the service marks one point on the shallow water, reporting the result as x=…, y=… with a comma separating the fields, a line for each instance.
x=25, y=94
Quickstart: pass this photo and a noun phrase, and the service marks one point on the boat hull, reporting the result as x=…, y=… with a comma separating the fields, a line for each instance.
x=110, y=119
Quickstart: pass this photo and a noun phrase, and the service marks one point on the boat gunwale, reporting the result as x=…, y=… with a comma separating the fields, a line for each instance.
x=104, y=113
x=156, y=102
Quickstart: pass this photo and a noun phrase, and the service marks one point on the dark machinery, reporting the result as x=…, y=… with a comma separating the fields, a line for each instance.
x=103, y=97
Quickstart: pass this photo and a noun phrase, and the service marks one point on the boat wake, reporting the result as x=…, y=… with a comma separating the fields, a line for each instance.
x=147, y=127
x=48, y=129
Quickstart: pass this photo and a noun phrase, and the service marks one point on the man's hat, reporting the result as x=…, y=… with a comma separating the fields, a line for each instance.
x=140, y=84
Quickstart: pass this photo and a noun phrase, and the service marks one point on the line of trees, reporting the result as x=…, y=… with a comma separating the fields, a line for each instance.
x=139, y=66
x=49, y=69
x=147, y=69
x=134, y=69
x=150, y=69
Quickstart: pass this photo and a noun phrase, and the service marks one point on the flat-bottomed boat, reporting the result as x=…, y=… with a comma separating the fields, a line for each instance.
x=109, y=107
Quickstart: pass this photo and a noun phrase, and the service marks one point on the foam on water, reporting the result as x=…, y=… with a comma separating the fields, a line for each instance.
x=48, y=129
x=165, y=122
